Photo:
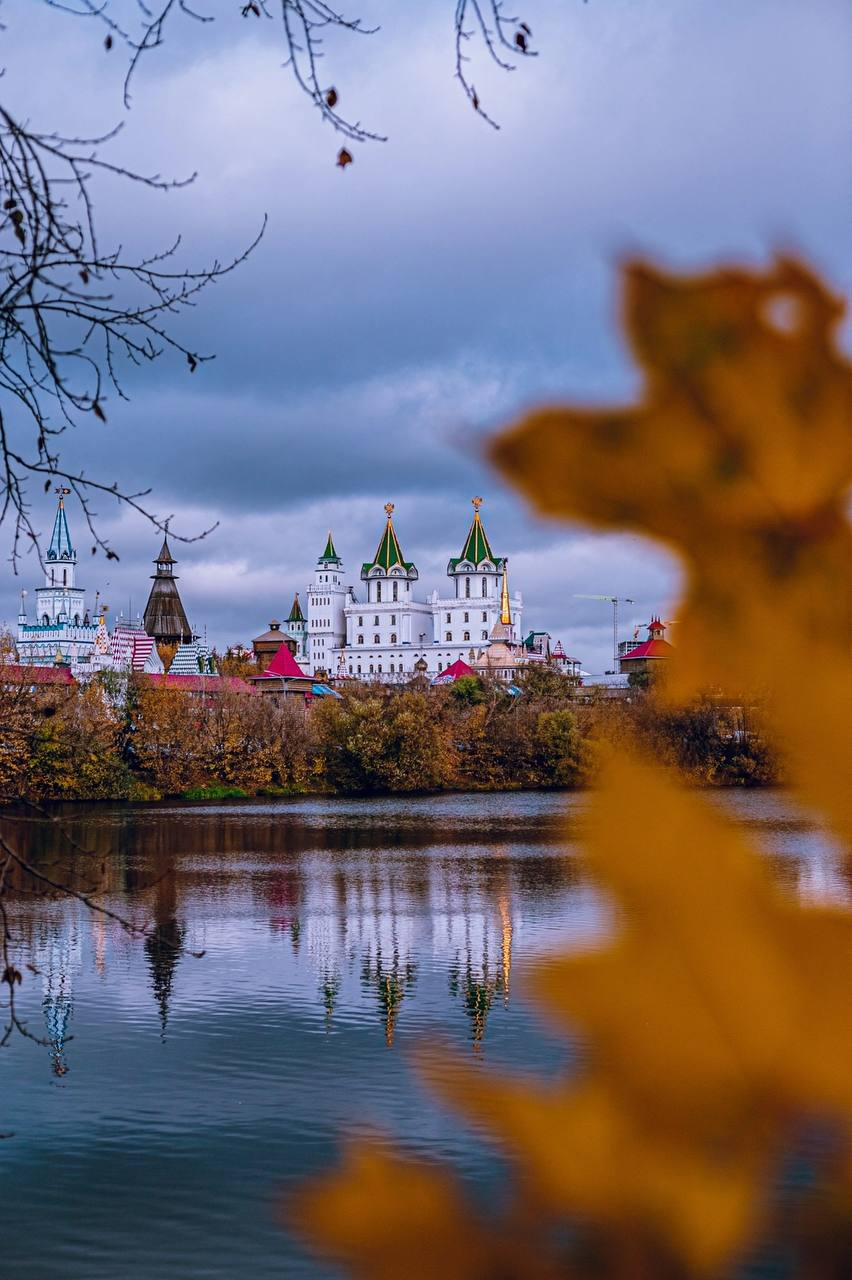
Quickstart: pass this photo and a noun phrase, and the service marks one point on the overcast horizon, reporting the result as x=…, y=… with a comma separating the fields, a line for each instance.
x=396, y=312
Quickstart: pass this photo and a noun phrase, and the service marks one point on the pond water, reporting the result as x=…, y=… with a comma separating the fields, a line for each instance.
x=179, y=1099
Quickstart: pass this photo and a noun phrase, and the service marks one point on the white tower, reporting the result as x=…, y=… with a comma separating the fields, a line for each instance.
x=59, y=600
x=61, y=627
x=327, y=600
x=463, y=619
x=390, y=631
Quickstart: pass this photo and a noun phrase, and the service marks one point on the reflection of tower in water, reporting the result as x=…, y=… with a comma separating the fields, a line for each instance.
x=56, y=960
x=479, y=980
x=390, y=981
x=387, y=969
x=163, y=946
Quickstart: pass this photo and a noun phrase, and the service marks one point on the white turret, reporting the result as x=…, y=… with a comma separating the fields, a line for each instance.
x=327, y=599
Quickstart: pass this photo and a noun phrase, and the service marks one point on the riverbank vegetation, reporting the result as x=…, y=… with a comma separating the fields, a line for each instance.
x=84, y=742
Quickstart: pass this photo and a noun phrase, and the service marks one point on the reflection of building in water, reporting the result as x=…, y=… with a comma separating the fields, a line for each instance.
x=481, y=967
x=57, y=958
x=282, y=890
x=391, y=980
x=363, y=928
x=163, y=946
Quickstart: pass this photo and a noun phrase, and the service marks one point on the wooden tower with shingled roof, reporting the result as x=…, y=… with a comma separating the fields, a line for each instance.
x=164, y=618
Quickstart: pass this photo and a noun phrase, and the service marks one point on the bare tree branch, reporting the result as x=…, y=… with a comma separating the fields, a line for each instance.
x=71, y=314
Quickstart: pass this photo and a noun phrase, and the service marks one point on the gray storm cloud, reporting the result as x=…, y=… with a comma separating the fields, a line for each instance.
x=395, y=312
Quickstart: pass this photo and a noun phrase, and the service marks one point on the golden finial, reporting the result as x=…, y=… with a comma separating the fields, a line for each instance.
x=389, y=508
x=477, y=503
x=63, y=494
x=505, y=610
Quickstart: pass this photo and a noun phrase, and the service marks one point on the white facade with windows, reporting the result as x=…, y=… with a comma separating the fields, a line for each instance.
x=386, y=629
x=62, y=626
x=328, y=596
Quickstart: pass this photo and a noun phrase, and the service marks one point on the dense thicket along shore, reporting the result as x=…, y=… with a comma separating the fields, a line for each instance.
x=85, y=742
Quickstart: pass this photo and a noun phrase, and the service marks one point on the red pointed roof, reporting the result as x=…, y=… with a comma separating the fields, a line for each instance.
x=454, y=672
x=654, y=647
x=649, y=649
x=283, y=664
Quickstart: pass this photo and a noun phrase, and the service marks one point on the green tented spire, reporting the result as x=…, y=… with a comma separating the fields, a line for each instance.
x=477, y=548
x=296, y=614
x=330, y=556
x=388, y=552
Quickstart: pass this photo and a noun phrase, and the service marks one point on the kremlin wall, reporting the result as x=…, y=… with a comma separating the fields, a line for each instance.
x=378, y=627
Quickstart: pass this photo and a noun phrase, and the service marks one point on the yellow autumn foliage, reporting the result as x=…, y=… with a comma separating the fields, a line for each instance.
x=717, y=1012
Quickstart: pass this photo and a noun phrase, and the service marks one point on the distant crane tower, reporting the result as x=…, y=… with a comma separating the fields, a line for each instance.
x=615, y=601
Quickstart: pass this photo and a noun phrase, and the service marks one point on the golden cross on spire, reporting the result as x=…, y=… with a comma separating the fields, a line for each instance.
x=389, y=508
x=63, y=493
x=477, y=503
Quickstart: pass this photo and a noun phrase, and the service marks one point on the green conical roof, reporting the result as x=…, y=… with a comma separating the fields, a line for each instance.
x=330, y=554
x=476, y=547
x=388, y=553
x=296, y=614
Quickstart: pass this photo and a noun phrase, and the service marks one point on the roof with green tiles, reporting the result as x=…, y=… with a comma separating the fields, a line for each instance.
x=296, y=614
x=477, y=548
x=388, y=553
x=330, y=556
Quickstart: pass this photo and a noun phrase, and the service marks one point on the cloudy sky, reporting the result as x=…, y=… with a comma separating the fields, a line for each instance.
x=397, y=312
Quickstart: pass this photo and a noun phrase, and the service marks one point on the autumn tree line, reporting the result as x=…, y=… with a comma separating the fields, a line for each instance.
x=145, y=741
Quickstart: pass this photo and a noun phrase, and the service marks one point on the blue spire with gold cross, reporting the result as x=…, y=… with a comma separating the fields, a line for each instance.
x=60, y=543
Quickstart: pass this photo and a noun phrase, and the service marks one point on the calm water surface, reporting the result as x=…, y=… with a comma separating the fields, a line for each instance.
x=180, y=1099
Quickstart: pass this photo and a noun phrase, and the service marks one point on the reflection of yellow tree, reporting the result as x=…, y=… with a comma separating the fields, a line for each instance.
x=719, y=1016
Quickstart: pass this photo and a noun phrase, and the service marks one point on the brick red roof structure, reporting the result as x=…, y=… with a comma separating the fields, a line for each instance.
x=15, y=673
x=201, y=684
x=654, y=647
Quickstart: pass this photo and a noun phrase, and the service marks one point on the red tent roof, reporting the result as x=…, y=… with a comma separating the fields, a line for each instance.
x=283, y=664
x=454, y=672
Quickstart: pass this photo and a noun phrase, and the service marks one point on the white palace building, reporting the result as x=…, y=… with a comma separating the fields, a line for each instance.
x=387, y=628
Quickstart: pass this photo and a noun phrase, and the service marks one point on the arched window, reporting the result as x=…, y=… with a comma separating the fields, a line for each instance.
x=76, y=619
x=65, y=577
x=440, y=666
x=467, y=635
x=360, y=640
x=377, y=639
x=393, y=637
x=396, y=591
x=360, y=622
x=392, y=668
x=467, y=587
x=485, y=586
x=371, y=668
x=45, y=619
x=378, y=591
x=376, y=620
x=449, y=637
